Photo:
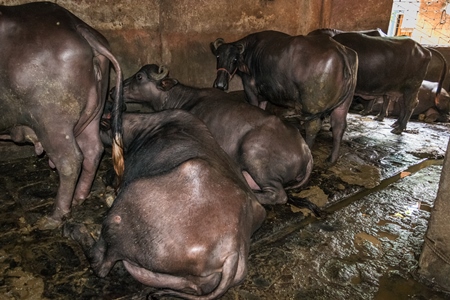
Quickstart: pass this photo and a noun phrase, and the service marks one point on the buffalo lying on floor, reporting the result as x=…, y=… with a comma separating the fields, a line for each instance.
x=428, y=109
x=54, y=76
x=310, y=76
x=389, y=67
x=183, y=216
x=271, y=153
x=434, y=71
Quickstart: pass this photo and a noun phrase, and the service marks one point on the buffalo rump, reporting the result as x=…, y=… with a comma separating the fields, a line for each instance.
x=54, y=75
x=183, y=216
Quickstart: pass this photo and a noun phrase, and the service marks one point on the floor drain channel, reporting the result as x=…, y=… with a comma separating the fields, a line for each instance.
x=288, y=230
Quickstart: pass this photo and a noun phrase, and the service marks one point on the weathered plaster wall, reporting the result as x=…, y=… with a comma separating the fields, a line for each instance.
x=178, y=33
x=358, y=15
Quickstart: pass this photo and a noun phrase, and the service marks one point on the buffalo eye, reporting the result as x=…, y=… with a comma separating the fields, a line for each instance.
x=139, y=76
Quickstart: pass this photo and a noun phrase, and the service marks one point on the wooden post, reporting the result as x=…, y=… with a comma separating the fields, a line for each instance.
x=434, y=263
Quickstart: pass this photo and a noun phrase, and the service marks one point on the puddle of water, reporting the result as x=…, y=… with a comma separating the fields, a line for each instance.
x=365, y=237
x=425, y=207
x=390, y=236
x=394, y=287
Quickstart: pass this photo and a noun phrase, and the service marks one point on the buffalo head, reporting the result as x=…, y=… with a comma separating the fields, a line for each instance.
x=148, y=85
x=229, y=58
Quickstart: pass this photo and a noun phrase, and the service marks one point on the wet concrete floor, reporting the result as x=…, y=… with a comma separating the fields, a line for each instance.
x=379, y=197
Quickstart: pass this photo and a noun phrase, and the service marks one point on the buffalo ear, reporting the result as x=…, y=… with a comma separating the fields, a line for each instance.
x=166, y=84
x=214, y=45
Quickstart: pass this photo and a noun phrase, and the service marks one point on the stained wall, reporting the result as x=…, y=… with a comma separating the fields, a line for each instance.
x=178, y=33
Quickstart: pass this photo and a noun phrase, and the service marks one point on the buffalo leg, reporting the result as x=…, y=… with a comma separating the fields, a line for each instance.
x=261, y=165
x=338, y=121
x=92, y=149
x=407, y=104
x=312, y=127
x=366, y=111
x=305, y=203
x=193, y=285
x=95, y=251
x=89, y=139
x=230, y=276
x=384, y=109
x=80, y=234
x=272, y=194
x=431, y=115
x=252, y=97
x=266, y=192
x=67, y=159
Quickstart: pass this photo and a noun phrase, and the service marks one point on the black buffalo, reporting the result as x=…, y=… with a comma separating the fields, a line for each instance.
x=429, y=109
x=392, y=68
x=54, y=76
x=184, y=214
x=333, y=31
x=313, y=76
x=271, y=153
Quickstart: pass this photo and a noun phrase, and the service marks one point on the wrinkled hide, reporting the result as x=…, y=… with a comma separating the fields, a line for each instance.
x=183, y=217
x=271, y=153
x=53, y=83
x=310, y=76
x=391, y=68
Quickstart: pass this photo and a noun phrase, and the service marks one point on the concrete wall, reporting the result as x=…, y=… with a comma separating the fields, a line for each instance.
x=178, y=33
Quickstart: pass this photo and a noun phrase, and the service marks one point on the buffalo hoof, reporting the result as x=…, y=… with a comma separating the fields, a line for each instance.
x=80, y=234
x=48, y=223
x=395, y=124
x=158, y=294
x=329, y=162
x=78, y=202
x=364, y=112
x=397, y=131
x=153, y=297
x=305, y=203
x=431, y=119
x=74, y=231
x=379, y=118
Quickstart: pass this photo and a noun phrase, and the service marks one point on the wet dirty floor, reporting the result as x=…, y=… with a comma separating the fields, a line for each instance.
x=379, y=196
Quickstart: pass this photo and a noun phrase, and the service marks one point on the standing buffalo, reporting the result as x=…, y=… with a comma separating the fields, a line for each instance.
x=312, y=75
x=184, y=214
x=389, y=67
x=332, y=32
x=271, y=153
x=54, y=76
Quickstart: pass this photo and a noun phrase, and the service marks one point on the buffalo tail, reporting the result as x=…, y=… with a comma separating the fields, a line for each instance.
x=117, y=144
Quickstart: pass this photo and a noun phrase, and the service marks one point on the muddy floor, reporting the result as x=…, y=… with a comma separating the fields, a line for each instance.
x=378, y=196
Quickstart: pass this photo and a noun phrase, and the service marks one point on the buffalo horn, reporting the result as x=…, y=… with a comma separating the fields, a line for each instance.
x=162, y=72
x=241, y=48
x=218, y=42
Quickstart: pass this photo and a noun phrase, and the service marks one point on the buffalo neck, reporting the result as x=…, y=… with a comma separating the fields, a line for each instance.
x=182, y=97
